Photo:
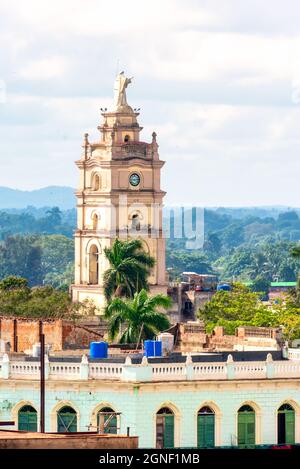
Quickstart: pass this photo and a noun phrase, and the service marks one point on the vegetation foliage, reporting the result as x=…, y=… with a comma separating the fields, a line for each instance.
x=242, y=307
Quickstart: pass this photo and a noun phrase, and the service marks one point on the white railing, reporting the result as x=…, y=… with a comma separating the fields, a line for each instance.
x=248, y=370
x=102, y=370
x=25, y=370
x=294, y=354
x=288, y=369
x=206, y=371
x=64, y=370
x=187, y=371
x=170, y=372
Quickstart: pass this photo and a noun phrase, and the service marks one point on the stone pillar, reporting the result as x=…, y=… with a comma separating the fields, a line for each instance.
x=5, y=366
x=230, y=367
x=270, y=366
x=189, y=367
x=135, y=373
x=84, y=368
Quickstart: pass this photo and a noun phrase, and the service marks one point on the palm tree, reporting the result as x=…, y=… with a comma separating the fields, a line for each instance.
x=139, y=316
x=129, y=268
x=296, y=252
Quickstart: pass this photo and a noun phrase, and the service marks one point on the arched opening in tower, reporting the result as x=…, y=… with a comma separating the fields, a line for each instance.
x=94, y=265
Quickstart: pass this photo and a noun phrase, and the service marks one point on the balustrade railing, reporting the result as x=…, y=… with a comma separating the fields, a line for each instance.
x=294, y=354
x=174, y=371
x=145, y=371
x=64, y=370
x=101, y=370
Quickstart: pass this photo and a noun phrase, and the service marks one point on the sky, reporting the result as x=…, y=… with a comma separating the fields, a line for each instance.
x=218, y=80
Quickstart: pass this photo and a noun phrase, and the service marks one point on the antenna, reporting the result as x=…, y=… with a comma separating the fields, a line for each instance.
x=117, y=66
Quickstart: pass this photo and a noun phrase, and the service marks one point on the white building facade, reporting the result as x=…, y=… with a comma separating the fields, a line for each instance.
x=190, y=402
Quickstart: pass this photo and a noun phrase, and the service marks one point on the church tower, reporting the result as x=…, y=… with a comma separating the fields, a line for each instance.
x=119, y=196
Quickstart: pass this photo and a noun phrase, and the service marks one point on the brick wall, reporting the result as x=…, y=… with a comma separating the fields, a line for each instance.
x=77, y=337
x=193, y=338
x=60, y=334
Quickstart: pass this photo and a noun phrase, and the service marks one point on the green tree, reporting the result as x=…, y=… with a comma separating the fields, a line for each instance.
x=21, y=256
x=12, y=282
x=260, y=285
x=133, y=320
x=232, y=308
x=17, y=299
x=129, y=268
x=213, y=245
x=54, y=216
x=182, y=261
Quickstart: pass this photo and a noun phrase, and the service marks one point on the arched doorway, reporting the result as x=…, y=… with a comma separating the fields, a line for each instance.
x=206, y=428
x=165, y=428
x=66, y=420
x=93, y=265
x=107, y=421
x=286, y=424
x=246, y=426
x=27, y=419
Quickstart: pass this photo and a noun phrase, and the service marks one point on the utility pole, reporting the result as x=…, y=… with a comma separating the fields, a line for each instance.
x=42, y=383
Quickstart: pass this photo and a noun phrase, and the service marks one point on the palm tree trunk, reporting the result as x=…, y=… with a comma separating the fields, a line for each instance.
x=118, y=292
x=140, y=336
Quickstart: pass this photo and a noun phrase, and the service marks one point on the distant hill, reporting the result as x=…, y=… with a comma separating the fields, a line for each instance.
x=62, y=197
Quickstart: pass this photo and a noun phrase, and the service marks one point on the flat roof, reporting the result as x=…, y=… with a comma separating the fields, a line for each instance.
x=174, y=357
x=283, y=284
x=15, y=434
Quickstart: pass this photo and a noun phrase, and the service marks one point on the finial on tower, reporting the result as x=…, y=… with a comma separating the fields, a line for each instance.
x=86, y=139
x=154, y=137
x=86, y=144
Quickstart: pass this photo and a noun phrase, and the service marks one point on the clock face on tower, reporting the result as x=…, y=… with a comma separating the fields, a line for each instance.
x=134, y=179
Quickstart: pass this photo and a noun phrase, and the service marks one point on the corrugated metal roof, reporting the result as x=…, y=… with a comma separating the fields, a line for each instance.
x=283, y=284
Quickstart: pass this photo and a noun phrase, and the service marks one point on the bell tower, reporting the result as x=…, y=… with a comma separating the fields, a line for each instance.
x=119, y=196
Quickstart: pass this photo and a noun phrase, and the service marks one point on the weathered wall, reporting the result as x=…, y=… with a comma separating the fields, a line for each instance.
x=76, y=337
x=192, y=338
x=60, y=334
x=138, y=405
x=83, y=441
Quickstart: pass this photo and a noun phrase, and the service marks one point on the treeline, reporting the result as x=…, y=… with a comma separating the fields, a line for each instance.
x=261, y=263
x=37, y=244
x=42, y=259
x=32, y=220
x=249, y=249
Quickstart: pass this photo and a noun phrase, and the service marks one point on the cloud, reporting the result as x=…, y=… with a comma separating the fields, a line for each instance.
x=218, y=81
x=44, y=69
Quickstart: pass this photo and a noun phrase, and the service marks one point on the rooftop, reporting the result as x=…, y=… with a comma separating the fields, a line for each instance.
x=259, y=364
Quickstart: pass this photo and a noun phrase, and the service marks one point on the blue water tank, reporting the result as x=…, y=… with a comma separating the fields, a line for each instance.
x=224, y=286
x=153, y=348
x=98, y=349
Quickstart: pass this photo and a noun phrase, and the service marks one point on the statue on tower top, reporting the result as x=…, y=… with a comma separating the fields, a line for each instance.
x=121, y=84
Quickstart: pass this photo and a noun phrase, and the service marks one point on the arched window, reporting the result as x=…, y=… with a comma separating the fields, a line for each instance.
x=97, y=182
x=107, y=421
x=286, y=424
x=27, y=419
x=206, y=428
x=126, y=138
x=95, y=221
x=165, y=428
x=93, y=265
x=246, y=426
x=66, y=420
x=135, y=222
